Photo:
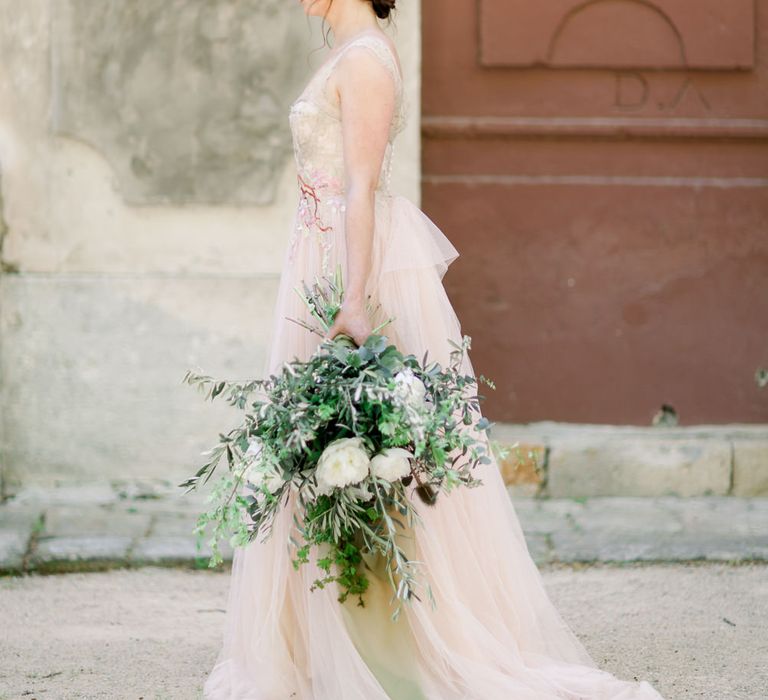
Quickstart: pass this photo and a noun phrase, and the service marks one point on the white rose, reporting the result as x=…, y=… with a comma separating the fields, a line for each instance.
x=409, y=388
x=343, y=462
x=391, y=464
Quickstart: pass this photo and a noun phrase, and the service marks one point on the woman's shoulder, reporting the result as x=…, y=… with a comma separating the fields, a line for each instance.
x=379, y=49
x=379, y=44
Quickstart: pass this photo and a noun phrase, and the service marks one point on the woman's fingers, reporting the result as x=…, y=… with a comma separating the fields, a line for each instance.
x=332, y=331
x=357, y=328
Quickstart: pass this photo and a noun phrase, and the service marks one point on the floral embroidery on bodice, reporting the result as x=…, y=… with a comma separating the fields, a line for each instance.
x=315, y=122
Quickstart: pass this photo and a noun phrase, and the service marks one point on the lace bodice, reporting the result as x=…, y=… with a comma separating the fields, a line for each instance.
x=315, y=122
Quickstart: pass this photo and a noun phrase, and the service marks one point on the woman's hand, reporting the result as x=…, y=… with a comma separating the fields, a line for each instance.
x=351, y=320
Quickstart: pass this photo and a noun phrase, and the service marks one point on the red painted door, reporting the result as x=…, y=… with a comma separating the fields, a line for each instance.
x=602, y=168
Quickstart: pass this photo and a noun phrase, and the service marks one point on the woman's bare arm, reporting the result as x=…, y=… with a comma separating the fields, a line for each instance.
x=367, y=97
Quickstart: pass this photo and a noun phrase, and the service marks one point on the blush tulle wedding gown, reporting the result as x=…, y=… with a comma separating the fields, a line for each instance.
x=494, y=634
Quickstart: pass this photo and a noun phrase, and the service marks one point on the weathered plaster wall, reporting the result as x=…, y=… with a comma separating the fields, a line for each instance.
x=177, y=96
x=148, y=188
x=3, y=232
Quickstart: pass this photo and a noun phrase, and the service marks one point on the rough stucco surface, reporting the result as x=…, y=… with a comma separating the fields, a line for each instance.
x=186, y=100
x=93, y=367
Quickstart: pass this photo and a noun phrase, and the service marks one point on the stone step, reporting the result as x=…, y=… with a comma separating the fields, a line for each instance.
x=82, y=530
x=569, y=460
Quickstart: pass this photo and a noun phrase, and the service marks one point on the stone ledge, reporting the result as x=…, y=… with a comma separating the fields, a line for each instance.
x=18, y=527
x=619, y=530
x=585, y=460
x=668, y=529
x=13, y=546
x=172, y=550
x=79, y=553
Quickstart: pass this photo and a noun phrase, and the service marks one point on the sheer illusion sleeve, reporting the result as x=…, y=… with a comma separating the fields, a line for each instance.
x=367, y=50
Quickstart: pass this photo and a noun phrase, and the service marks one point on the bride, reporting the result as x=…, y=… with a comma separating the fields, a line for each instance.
x=493, y=634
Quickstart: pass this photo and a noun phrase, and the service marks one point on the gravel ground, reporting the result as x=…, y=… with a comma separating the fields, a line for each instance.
x=693, y=631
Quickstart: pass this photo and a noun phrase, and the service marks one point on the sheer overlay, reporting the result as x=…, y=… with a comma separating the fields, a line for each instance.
x=494, y=634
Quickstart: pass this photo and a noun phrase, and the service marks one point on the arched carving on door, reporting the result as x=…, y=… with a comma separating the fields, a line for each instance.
x=618, y=34
x=575, y=39
x=584, y=20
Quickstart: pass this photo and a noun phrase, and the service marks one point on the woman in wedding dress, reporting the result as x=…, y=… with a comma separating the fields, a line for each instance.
x=494, y=634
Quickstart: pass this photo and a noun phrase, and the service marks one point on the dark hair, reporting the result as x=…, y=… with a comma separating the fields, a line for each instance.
x=382, y=8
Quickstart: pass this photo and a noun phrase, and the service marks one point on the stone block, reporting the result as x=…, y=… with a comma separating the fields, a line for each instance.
x=178, y=524
x=716, y=517
x=543, y=516
x=66, y=494
x=750, y=468
x=17, y=517
x=13, y=547
x=571, y=546
x=92, y=370
x=96, y=521
x=658, y=529
x=85, y=537
x=144, y=489
x=638, y=467
x=17, y=524
x=523, y=467
x=757, y=517
x=75, y=552
x=173, y=550
x=166, y=550
x=648, y=546
x=524, y=490
x=626, y=515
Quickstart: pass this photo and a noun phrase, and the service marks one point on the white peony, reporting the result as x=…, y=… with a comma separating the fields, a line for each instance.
x=409, y=388
x=391, y=464
x=255, y=447
x=261, y=471
x=343, y=462
x=266, y=475
x=361, y=492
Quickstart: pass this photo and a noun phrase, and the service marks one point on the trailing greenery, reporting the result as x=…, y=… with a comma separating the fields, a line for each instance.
x=344, y=439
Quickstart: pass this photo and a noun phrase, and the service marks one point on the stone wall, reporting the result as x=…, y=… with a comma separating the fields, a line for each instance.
x=147, y=187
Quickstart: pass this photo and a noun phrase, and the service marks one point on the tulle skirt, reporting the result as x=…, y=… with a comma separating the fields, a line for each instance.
x=493, y=633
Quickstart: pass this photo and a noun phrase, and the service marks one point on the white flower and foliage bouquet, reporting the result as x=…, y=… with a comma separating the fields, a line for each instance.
x=346, y=434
